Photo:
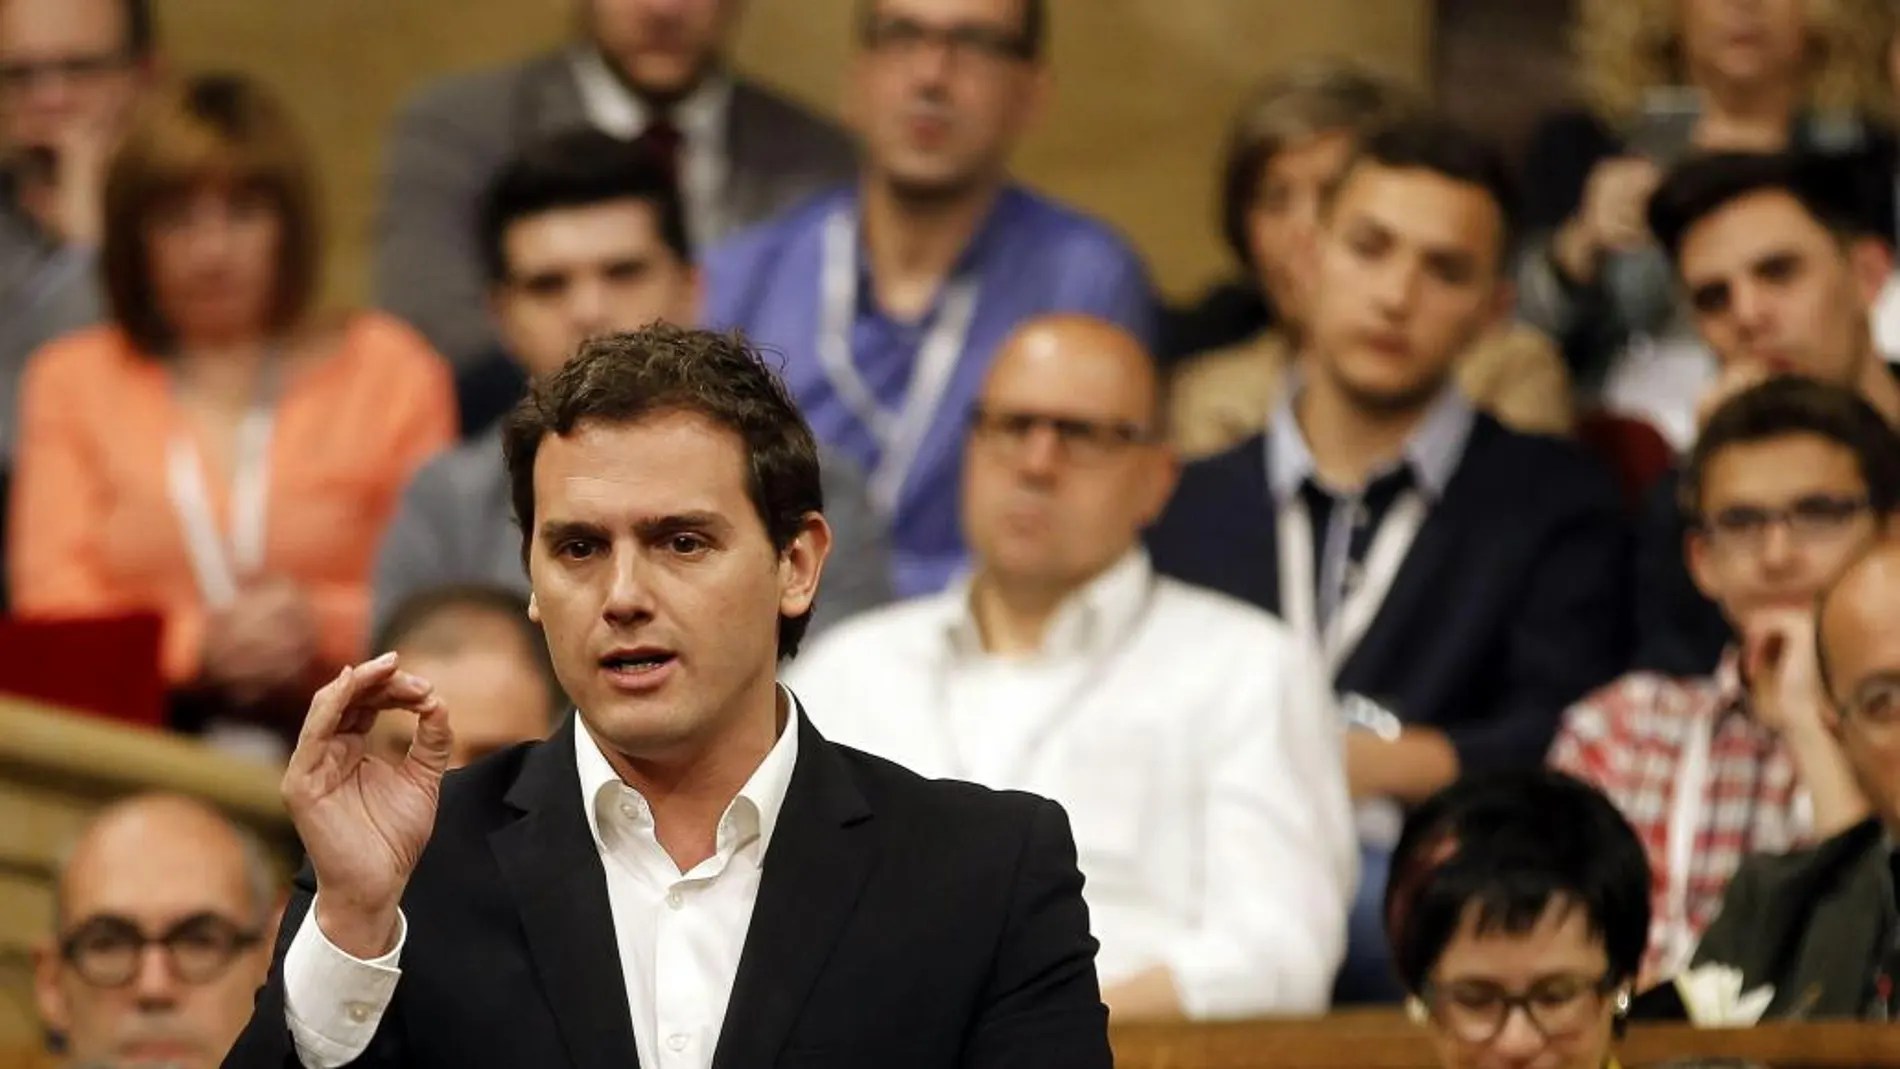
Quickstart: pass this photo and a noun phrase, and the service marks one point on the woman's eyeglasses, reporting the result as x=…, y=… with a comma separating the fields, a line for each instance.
x=1475, y=1011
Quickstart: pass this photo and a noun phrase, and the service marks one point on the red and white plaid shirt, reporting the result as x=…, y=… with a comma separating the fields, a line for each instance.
x=1630, y=739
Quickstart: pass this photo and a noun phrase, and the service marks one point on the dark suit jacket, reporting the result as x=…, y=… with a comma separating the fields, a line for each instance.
x=451, y=138
x=1512, y=603
x=1814, y=923
x=900, y=922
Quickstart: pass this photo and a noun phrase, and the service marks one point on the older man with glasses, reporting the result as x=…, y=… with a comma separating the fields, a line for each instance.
x=164, y=918
x=1187, y=734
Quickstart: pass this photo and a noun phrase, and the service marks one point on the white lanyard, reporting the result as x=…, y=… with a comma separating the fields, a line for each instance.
x=219, y=566
x=1361, y=603
x=1686, y=805
x=1094, y=674
x=900, y=435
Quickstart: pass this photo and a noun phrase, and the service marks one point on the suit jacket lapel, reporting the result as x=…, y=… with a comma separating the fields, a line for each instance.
x=551, y=865
x=1848, y=933
x=820, y=854
x=750, y=152
x=1254, y=493
x=1419, y=585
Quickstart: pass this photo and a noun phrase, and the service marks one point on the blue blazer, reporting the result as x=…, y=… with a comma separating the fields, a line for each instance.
x=1512, y=603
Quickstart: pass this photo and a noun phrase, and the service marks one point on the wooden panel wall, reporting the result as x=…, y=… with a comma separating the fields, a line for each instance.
x=1144, y=86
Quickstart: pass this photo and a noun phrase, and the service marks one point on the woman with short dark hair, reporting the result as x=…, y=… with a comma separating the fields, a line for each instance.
x=1517, y=914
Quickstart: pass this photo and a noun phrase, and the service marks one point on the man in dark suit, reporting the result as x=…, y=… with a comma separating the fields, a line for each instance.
x=687, y=874
x=1464, y=582
x=641, y=69
x=1818, y=930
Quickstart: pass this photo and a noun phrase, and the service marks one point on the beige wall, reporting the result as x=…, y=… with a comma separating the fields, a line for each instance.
x=1143, y=86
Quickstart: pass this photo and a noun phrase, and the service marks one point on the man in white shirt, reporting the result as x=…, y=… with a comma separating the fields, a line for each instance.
x=1188, y=735
x=687, y=874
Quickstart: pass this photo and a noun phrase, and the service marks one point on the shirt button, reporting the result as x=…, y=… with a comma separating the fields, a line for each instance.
x=358, y=1011
x=675, y=900
x=676, y=1041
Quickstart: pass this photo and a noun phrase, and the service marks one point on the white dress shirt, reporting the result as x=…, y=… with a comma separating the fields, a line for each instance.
x=679, y=934
x=1190, y=737
x=701, y=117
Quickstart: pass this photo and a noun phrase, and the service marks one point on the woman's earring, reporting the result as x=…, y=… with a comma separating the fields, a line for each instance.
x=1416, y=1011
x=1622, y=1002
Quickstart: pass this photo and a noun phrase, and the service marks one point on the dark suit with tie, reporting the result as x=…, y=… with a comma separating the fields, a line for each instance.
x=1511, y=603
x=454, y=135
x=899, y=922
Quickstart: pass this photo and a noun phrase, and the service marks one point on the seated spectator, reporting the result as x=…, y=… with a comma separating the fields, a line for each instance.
x=1517, y=912
x=1781, y=273
x=221, y=454
x=1815, y=929
x=583, y=235
x=488, y=663
x=1664, y=80
x=70, y=72
x=165, y=873
x=1464, y=582
x=1789, y=480
x=637, y=69
x=889, y=298
x=1189, y=737
x=1289, y=147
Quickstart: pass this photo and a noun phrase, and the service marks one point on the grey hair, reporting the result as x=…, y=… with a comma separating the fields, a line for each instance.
x=262, y=875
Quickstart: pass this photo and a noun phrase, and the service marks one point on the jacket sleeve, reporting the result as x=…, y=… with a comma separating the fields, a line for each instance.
x=1569, y=633
x=1042, y=1008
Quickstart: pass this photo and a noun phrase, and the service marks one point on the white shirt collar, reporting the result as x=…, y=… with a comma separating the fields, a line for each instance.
x=1088, y=620
x=753, y=813
x=1434, y=450
x=614, y=109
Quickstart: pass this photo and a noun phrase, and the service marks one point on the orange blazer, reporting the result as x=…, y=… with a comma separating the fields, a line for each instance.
x=92, y=527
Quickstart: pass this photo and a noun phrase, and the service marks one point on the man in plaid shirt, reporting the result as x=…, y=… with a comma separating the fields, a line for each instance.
x=1790, y=479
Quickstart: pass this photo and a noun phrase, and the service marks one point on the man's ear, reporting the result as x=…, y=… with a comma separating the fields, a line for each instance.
x=54, y=1013
x=1871, y=261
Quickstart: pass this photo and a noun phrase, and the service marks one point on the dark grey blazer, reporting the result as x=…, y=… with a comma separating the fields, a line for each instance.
x=453, y=135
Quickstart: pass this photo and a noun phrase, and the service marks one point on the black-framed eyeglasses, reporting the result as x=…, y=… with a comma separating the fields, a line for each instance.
x=1814, y=518
x=106, y=951
x=1475, y=1011
x=19, y=76
x=903, y=38
x=1084, y=441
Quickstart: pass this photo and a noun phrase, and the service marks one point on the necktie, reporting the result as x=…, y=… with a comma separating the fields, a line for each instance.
x=664, y=139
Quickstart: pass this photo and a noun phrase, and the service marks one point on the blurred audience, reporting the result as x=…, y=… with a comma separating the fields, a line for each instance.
x=1814, y=929
x=888, y=299
x=1463, y=582
x=1665, y=79
x=488, y=663
x=1774, y=253
x=222, y=453
x=1189, y=737
x=654, y=70
x=1788, y=481
x=70, y=72
x=1289, y=146
x=157, y=873
x=582, y=235
x=1517, y=912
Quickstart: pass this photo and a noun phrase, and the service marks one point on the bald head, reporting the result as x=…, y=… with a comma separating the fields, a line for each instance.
x=1056, y=353
x=1858, y=639
x=1066, y=461
x=168, y=870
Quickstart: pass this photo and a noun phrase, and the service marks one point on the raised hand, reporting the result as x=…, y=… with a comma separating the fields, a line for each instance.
x=1783, y=676
x=363, y=821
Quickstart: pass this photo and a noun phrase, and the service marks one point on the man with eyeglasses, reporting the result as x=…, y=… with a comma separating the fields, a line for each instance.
x=1188, y=736
x=70, y=72
x=163, y=918
x=1789, y=480
x=1818, y=929
x=889, y=298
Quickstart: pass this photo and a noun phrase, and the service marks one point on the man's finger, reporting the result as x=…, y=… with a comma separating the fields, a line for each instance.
x=429, y=747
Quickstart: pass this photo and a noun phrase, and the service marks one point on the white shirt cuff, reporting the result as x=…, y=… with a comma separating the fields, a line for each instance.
x=334, y=1002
